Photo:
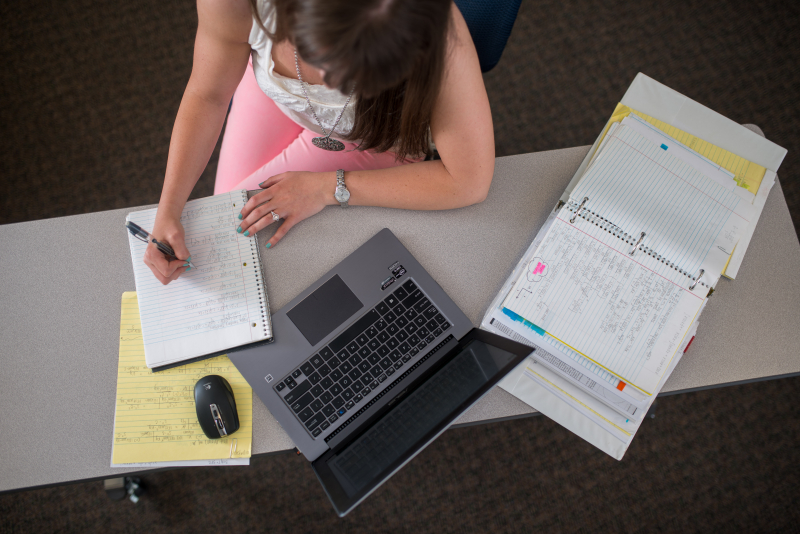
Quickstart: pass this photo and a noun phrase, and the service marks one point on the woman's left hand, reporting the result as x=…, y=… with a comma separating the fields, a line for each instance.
x=293, y=196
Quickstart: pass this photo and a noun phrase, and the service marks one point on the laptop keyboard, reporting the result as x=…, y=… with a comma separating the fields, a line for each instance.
x=340, y=376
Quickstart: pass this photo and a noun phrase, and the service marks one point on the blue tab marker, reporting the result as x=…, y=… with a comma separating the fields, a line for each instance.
x=664, y=147
x=519, y=319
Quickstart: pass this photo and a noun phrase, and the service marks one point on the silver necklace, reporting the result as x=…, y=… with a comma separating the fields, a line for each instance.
x=325, y=143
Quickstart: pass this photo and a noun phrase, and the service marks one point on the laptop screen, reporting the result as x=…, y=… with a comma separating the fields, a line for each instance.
x=351, y=473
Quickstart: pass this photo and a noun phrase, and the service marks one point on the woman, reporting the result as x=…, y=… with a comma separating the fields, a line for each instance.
x=382, y=77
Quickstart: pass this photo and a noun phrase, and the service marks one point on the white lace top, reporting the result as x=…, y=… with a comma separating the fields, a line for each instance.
x=288, y=93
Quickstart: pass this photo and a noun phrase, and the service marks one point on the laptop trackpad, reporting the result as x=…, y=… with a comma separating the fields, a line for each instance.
x=324, y=310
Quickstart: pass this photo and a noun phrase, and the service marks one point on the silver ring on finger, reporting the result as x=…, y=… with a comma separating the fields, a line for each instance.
x=275, y=216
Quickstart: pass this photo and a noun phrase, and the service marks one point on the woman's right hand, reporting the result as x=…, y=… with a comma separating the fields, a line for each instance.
x=170, y=232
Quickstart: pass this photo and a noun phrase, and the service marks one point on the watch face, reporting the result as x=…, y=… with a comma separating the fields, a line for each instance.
x=342, y=194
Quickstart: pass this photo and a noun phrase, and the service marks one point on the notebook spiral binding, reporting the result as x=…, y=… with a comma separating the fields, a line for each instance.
x=580, y=210
x=263, y=303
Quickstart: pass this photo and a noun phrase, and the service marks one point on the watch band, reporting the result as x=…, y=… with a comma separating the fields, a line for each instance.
x=342, y=194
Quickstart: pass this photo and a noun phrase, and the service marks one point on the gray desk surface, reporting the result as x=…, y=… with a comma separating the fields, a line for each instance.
x=61, y=281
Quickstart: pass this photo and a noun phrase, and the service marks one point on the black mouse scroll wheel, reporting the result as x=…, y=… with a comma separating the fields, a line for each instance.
x=218, y=421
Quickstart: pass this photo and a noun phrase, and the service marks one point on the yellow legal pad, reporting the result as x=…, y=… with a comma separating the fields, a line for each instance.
x=156, y=419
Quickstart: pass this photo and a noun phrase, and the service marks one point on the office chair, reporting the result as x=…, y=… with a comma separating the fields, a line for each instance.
x=489, y=23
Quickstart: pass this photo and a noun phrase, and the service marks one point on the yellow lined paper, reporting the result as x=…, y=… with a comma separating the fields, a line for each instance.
x=155, y=418
x=748, y=174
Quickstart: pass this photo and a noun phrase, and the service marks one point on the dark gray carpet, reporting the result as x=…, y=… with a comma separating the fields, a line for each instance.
x=89, y=91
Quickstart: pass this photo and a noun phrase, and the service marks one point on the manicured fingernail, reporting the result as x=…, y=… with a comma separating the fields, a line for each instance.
x=247, y=232
x=188, y=269
x=239, y=230
x=262, y=183
x=185, y=264
x=240, y=216
x=268, y=245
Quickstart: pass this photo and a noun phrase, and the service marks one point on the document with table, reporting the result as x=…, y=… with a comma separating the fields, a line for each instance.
x=612, y=287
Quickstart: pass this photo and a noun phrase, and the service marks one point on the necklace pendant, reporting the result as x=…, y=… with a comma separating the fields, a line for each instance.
x=326, y=143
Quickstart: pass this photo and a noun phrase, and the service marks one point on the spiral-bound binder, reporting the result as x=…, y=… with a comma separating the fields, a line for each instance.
x=218, y=306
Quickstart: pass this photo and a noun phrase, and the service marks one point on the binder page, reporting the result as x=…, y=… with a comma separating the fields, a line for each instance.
x=688, y=219
x=628, y=314
x=216, y=306
x=156, y=418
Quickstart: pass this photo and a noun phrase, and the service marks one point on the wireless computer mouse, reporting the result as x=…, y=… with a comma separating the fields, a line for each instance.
x=216, y=407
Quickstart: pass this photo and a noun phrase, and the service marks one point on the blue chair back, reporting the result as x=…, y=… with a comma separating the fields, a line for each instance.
x=489, y=23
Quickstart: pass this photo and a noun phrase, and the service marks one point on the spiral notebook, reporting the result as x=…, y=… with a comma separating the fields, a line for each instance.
x=628, y=262
x=220, y=304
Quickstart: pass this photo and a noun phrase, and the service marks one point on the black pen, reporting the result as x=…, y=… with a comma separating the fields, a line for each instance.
x=143, y=235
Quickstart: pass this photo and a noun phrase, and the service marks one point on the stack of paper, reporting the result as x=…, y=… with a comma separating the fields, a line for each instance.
x=155, y=424
x=609, y=329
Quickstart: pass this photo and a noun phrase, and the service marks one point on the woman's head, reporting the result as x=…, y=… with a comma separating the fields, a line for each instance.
x=391, y=51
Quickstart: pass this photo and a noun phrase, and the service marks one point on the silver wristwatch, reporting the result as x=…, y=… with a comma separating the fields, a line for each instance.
x=342, y=195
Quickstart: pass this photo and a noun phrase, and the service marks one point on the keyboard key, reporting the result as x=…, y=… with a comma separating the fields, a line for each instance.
x=344, y=368
x=392, y=343
x=371, y=332
x=316, y=360
x=306, y=414
x=328, y=410
x=422, y=305
x=404, y=347
x=413, y=297
x=326, y=397
x=345, y=382
x=324, y=370
x=334, y=362
x=406, y=358
x=336, y=389
x=349, y=405
x=390, y=371
x=391, y=301
x=382, y=308
x=341, y=411
x=390, y=317
x=326, y=382
x=437, y=332
x=429, y=338
x=302, y=402
x=398, y=310
x=374, y=344
x=383, y=351
x=393, y=329
x=333, y=418
x=400, y=293
x=316, y=432
x=280, y=386
x=354, y=360
x=439, y=318
x=422, y=345
x=445, y=325
x=410, y=314
x=317, y=390
x=324, y=425
x=315, y=421
x=355, y=374
x=357, y=386
x=307, y=368
x=380, y=324
x=423, y=332
x=409, y=286
x=337, y=402
x=381, y=378
x=401, y=321
x=397, y=365
x=297, y=392
x=420, y=320
x=431, y=312
x=326, y=353
x=383, y=337
x=411, y=328
x=316, y=405
x=413, y=340
x=297, y=373
x=365, y=391
x=376, y=371
x=291, y=383
x=314, y=378
x=386, y=363
x=431, y=325
x=366, y=379
x=342, y=355
x=395, y=355
x=358, y=398
x=362, y=340
x=352, y=348
x=364, y=366
x=401, y=336
x=337, y=374
x=348, y=394
x=363, y=352
x=413, y=352
x=375, y=358
x=374, y=384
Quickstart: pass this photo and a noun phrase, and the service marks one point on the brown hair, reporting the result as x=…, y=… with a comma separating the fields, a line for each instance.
x=391, y=51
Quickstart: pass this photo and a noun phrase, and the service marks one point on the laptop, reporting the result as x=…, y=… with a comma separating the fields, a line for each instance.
x=369, y=365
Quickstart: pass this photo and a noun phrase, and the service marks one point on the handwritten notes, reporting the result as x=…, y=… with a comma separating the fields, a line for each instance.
x=155, y=418
x=216, y=306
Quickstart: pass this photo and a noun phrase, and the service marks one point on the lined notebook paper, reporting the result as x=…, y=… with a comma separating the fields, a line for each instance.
x=220, y=304
x=630, y=313
x=155, y=418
